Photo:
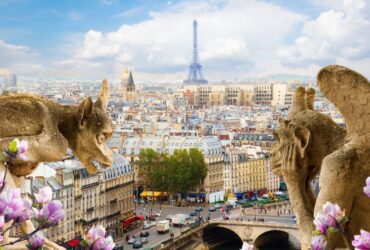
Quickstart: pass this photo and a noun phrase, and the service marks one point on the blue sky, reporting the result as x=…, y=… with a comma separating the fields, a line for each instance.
x=93, y=39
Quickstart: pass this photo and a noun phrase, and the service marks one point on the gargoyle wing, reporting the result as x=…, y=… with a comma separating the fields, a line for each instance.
x=349, y=91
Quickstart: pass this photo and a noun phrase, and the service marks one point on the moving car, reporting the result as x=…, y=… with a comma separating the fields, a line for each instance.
x=144, y=240
x=144, y=234
x=147, y=225
x=199, y=209
x=218, y=206
x=226, y=217
x=212, y=209
x=137, y=244
x=131, y=240
x=156, y=214
x=193, y=213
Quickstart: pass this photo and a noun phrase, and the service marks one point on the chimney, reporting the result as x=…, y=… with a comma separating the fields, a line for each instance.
x=59, y=175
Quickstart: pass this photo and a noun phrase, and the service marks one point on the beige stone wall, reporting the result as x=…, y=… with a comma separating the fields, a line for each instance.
x=246, y=98
x=214, y=180
x=216, y=98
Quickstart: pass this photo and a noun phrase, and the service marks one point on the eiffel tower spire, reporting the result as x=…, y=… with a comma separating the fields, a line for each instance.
x=195, y=69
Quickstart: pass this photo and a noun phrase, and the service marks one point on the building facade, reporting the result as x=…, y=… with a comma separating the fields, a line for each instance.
x=244, y=176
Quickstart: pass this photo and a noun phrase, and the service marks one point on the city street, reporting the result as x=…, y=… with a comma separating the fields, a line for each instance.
x=155, y=238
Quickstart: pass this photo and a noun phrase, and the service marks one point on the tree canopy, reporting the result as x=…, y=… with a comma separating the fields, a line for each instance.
x=180, y=172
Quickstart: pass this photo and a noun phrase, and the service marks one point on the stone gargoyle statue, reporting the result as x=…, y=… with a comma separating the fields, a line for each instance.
x=50, y=129
x=309, y=143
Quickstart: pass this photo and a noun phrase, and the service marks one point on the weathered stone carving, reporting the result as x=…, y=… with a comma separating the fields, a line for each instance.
x=308, y=142
x=50, y=129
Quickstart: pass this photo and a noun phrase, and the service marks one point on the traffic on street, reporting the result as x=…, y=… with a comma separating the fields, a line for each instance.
x=162, y=223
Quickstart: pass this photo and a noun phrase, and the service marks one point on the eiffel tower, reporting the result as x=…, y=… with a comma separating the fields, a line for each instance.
x=195, y=69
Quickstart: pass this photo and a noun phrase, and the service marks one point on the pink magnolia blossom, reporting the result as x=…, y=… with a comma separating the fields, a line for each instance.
x=331, y=216
x=332, y=213
x=18, y=209
x=96, y=239
x=362, y=241
x=13, y=207
x=1, y=180
x=35, y=242
x=44, y=195
x=27, y=211
x=51, y=213
x=320, y=223
x=247, y=246
x=2, y=221
x=104, y=244
x=22, y=148
x=94, y=234
x=318, y=243
x=367, y=187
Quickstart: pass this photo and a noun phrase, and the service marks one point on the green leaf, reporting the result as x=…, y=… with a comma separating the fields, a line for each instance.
x=1, y=248
x=344, y=220
x=84, y=243
x=36, y=205
x=316, y=232
x=13, y=146
x=332, y=229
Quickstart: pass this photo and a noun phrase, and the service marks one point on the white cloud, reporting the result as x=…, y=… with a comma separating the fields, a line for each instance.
x=19, y=59
x=232, y=34
x=11, y=48
x=237, y=39
x=336, y=34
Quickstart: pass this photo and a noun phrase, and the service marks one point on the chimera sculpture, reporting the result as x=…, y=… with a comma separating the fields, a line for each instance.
x=50, y=129
x=309, y=142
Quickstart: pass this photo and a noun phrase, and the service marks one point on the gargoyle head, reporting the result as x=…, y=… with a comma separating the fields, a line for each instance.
x=291, y=137
x=290, y=145
x=93, y=129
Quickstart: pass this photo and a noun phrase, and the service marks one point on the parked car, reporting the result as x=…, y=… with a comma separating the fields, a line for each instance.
x=131, y=240
x=193, y=213
x=156, y=214
x=137, y=244
x=144, y=240
x=147, y=225
x=218, y=206
x=212, y=209
x=199, y=209
x=144, y=234
x=226, y=217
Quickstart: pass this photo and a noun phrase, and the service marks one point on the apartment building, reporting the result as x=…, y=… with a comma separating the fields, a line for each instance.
x=243, y=175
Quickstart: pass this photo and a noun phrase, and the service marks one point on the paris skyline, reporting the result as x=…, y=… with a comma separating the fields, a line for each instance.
x=237, y=39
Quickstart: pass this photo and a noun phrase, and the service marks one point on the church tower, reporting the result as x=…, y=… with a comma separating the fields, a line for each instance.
x=127, y=86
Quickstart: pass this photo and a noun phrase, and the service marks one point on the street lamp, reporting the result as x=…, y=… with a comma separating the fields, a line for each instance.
x=160, y=206
x=198, y=216
x=135, y=193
